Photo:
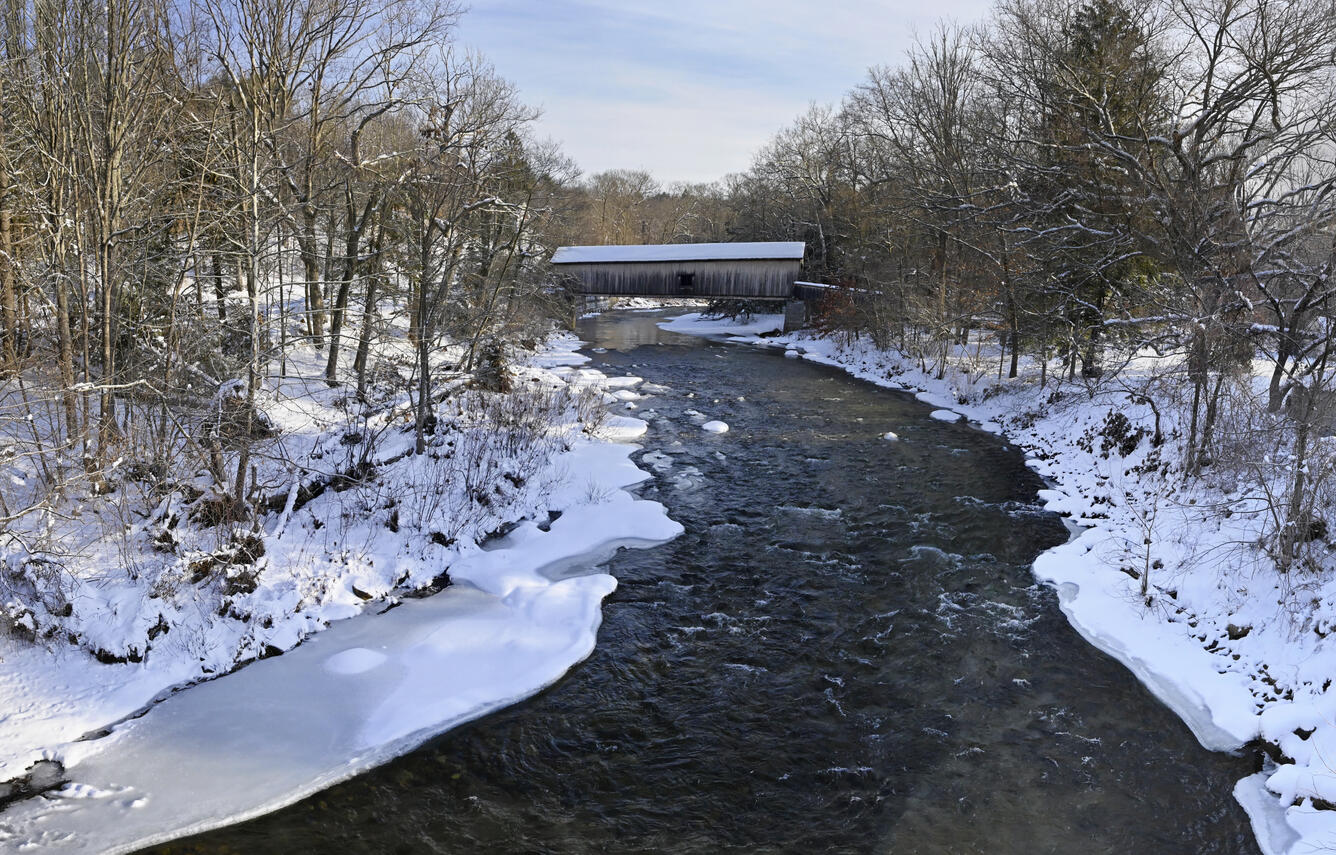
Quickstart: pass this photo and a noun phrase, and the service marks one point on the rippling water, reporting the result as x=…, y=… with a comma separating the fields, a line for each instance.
x=846, y=652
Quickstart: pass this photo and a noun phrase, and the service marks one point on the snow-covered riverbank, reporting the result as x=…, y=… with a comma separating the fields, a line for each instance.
x=1235, y=648
x=520, y=612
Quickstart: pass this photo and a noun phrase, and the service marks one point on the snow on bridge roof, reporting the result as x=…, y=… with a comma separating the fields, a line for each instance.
x=680, y=252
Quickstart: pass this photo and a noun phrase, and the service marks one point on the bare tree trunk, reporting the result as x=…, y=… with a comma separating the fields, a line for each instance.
x=337, y=312
x=282, y=315
x=423, y=351
x=364, y=338
x=1276, y=387
x=24, y=343
x=315, y=295
x=1209, y=423
x=368, y=317
x=9, y=315
x=106, y=424
x=1294, y=525
x=352, y=266
x=942, y=281
x=8, y=302
x=219, y=287
x=250, y=275
x=1190, y=459
x=1013, y=337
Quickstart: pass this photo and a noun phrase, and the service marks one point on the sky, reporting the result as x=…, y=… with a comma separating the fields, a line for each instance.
x=689, y=90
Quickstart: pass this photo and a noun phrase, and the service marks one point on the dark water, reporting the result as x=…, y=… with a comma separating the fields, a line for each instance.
x=846, y=652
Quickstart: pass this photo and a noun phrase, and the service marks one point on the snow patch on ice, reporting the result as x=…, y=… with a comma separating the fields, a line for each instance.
x=715, y=426
x=354, y=660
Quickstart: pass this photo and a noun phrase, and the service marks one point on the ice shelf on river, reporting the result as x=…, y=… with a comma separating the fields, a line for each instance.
x=365, y=690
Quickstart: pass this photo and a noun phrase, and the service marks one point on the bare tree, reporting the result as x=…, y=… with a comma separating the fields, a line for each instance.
x=470, y=112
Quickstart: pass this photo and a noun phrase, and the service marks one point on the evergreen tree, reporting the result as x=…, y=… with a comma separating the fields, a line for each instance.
x=1101, y=106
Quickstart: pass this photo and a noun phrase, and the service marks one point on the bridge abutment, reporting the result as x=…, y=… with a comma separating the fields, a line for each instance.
x=795, y=315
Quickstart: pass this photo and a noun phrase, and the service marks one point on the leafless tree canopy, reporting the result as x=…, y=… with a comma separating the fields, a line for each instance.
x=201, y=199
x=190, y=194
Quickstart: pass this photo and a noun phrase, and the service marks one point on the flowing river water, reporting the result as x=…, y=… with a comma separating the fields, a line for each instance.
x=845, y=652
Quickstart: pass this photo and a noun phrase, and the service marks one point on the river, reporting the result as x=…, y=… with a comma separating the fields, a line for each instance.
x=845, y=652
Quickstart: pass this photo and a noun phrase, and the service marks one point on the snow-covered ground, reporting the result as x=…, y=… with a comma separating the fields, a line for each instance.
x=598, y=305
x=521, y=610
x=1237, y=649
x=695, y=323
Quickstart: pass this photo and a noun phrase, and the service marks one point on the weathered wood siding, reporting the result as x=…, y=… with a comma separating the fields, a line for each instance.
x=741, y=279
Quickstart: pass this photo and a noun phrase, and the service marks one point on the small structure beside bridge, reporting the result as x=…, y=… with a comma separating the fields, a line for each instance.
x=715, y=271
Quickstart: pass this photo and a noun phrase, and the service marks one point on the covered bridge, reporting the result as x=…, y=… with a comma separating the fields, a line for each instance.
x=729, y=271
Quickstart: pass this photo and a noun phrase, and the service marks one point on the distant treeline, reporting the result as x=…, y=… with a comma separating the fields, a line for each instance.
x=1085, y=181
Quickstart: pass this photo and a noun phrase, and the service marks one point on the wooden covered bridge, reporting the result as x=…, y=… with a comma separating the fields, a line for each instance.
x=717, y=271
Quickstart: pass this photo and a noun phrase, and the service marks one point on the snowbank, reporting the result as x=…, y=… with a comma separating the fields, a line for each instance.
x=1217, y=642
x=595, y=306
x=518, y=615
x=696, y=323
x=353, y=696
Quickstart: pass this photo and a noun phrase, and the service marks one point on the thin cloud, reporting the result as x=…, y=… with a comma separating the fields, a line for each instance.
x=687, y=89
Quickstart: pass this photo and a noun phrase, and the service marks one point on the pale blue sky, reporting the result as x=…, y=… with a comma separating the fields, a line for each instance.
x=689, y=89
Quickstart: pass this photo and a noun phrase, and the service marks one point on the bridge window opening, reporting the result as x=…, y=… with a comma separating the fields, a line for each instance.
x=686, y=283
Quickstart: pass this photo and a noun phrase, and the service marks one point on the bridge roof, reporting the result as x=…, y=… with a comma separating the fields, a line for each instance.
x=768, y=251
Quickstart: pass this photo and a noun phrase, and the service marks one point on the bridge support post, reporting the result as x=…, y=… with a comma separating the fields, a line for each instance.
x=795, y=315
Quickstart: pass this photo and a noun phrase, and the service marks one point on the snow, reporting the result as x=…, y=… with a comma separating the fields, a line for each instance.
x=596, y=305
x=715, y=426
x=354, y=660
x=622, y=428
x=1236, y=649
x=946, y=415
x=521, y=611
x=1275, y=835
x=1216, y=707
x=679, y=252
x=890, y=435
x=526, y=607
x=697, y=323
